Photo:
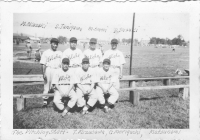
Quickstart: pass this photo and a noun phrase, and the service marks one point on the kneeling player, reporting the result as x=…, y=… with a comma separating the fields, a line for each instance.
x=85, y=86
x=64, y=82
x=105, y=86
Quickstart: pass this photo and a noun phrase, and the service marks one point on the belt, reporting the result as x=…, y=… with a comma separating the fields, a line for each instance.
x=63, y=84
x=86, y=84
x=74, y=66
x=115, y=66
x=93, y=66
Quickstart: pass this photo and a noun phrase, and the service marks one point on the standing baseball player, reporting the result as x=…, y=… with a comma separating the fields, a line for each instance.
x=74, y=54
x=50, y=60
x=63, y=81
x=106, y=86
x=94, y=55
x=117, y=60
x=86, y=79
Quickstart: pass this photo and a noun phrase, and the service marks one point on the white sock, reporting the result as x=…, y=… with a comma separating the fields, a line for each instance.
x=85, y=108
x=105, y=106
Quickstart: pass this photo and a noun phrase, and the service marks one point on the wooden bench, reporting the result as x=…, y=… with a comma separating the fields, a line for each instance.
x=134, y=96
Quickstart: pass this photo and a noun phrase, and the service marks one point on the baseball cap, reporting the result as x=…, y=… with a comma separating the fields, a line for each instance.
x=72, y=39
x=93, y=40
x=106, y=60
x=65, y=61
x=85, y=60
x=114, y=41
x=54, y=40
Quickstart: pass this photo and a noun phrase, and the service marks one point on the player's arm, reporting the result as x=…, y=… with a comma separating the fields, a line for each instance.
x=43, y=63
x=91, y=88
x=70, y=88
x=44, y=71
x=100, y=85
x=122, y=62
x=81, y=88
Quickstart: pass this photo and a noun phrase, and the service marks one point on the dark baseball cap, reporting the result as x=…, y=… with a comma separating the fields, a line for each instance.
x=72, y=39
x=114, y=41
x=106, y=61
x=93, y=40
x=65, y=61
x=54, y=40
x=85, y=60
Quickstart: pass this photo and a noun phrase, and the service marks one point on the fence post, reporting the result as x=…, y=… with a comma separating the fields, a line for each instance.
x=185, y=93
x=134, y=96
x=21, y=103
x=166, y=82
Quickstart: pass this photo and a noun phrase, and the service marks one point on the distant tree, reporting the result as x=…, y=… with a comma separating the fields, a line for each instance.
x=62, y=39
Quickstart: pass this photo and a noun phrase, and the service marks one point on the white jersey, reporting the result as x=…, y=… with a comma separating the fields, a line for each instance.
x=116, y=57
x=95, y=57
x=86, y=77
x=106, y=77
x=75, y=56
x=51, y=58
x=63, y=77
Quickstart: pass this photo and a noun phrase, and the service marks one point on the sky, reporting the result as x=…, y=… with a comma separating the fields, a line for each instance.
x=110, y=25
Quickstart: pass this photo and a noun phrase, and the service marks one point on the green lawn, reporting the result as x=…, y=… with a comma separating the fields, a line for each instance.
x=157, y=108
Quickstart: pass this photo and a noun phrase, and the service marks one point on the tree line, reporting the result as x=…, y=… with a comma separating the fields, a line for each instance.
x=166, y=41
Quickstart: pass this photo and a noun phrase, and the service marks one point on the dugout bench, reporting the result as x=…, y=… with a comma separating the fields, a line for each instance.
x=134, y=95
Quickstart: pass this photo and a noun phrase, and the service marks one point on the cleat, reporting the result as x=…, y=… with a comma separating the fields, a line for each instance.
x=83, y=112
x=64, y=113
x=106, y=110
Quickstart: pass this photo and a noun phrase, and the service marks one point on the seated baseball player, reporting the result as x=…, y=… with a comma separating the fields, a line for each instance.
x=63, y=81
x=85, y=86
x=105, y=86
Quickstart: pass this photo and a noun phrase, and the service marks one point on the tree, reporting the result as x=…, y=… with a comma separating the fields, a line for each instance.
x=62, y=39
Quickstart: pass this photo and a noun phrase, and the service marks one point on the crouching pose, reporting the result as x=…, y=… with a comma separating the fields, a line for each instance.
x=86, y=80
x=63, y=81
x=105, y=86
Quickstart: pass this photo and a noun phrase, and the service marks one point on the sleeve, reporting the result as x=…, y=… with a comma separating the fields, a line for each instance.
x=95, y=78
x=113, y=76
x=122, y=59
x=43, y=59
x=101, y=57
x=81, y=56
x=76, y=77
x=63, y=55
x=55, y=78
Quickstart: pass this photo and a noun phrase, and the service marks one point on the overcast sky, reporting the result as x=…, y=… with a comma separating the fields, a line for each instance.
x=146, y=25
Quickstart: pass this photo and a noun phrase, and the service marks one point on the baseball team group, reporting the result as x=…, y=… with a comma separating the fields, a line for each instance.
x=84, y=77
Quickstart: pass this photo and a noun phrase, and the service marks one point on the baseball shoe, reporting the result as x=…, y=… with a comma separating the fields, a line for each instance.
x=65, y=112
x=106, y=110
x=83, y=112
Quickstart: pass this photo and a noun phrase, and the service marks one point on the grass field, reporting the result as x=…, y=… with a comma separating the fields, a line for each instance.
x=157, y=109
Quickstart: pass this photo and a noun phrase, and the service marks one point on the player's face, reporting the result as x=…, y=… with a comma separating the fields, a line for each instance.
x=65, y=66
x=54, y=46
x=114, y=46
x=92, y=46
x=85, y=65
x=106, y=66
x=73, y=44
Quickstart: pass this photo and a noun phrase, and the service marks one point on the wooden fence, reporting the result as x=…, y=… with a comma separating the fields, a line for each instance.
x=134, y=95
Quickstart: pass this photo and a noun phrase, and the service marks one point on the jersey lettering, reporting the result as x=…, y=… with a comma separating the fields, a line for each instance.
x=73, y=56
x=85, y=77
x=62, y=78
x=50, y=58
x=113, y=56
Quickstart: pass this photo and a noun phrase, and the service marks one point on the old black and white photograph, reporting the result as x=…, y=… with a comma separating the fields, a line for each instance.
x=101, y=70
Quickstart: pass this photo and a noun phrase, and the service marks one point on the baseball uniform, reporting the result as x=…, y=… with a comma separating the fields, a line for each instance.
x=52, y=60
x=106, y=78
x=86, y=79
x=75, y=57
x=64, y=79
x=117, y=59
x=94, y=56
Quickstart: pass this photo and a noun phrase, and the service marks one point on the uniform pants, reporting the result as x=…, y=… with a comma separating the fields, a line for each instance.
x=117, y=73
x=48, y=82
x=81, y=100
x=58, y=97
x=114, y=95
